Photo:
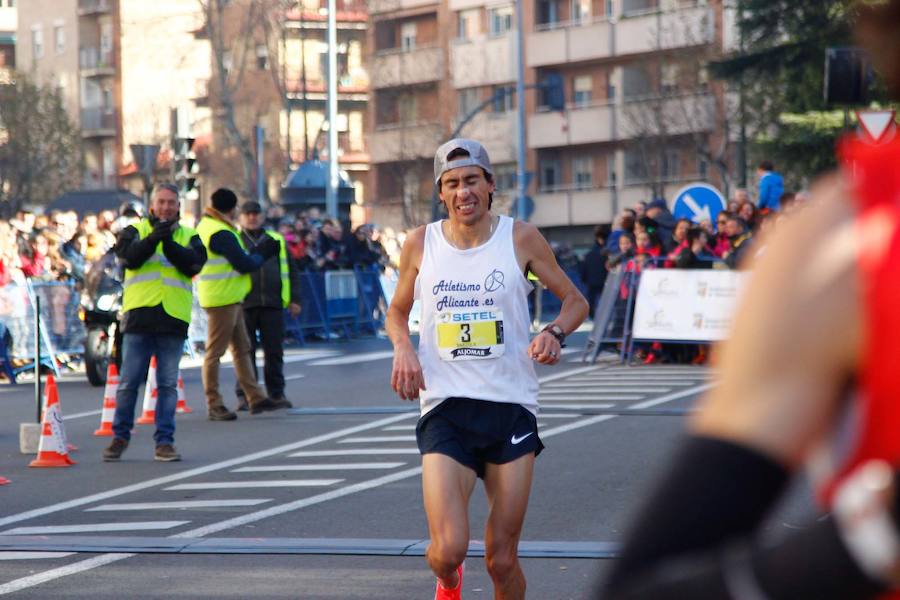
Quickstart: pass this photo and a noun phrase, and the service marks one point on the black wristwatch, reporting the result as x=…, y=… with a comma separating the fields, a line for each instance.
x=557, y=332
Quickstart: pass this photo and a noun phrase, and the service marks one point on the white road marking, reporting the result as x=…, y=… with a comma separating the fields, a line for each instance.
x=607, y=387
x=548, y=415
x=586, y=396
x=321, y=467
x=89, y=413
x=10, y=555
x=580, y=383
x=582, y=406
x=229, y=485
x=682, y=394
x=566, y=374
x=99, y=561
x=179, y=505
x=225, y=464
x=293, y=377
x=409, y=427
x=353, y=358
x=378, y=439
x=93, y=527
x=354, y=452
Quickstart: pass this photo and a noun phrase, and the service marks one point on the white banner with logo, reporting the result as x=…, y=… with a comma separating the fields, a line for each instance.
x=686, y=305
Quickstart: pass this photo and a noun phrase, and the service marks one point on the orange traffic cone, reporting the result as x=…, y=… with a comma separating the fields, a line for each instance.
x=109, y=401
x=150, y=393
x=182, y=406
x=53, y=450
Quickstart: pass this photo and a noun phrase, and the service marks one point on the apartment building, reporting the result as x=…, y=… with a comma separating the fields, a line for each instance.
x=121, y=66
x=639, y=113
x=8, y=29
x=281, y=85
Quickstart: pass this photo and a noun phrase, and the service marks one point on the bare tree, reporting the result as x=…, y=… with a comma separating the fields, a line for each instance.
x=40, y=158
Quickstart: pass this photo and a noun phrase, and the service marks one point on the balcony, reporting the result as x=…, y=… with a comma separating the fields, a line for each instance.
x=561, y=208
x=580, y=125
x=99, y=122
x=397, y=143
x=497, y=131
x=391, y=6
x=483, y=61
x=641, y=33
x=394, y=68
x=95, y=63
x=671, y=115
x=93, y=7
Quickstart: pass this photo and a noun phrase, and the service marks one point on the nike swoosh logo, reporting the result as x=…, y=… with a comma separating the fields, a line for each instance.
x=515, y=440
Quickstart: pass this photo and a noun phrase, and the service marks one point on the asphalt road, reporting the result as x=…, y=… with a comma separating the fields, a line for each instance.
x=325, y=502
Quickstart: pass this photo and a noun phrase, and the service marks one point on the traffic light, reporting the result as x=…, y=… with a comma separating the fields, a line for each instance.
x=554, y=91
x=186, y=167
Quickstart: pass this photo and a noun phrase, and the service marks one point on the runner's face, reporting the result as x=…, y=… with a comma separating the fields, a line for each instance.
x=466, y=194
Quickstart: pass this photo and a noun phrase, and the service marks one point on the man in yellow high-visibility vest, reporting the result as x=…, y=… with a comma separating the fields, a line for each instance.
x=160, y=257
x=274, y=288
x=223, y=284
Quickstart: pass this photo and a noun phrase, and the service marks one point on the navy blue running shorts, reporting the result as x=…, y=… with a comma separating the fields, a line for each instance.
x=477, y=432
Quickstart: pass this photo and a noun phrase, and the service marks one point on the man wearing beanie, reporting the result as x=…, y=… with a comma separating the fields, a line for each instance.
x=223, y=283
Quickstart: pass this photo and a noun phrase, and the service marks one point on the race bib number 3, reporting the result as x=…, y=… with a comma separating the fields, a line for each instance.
x=470, y=335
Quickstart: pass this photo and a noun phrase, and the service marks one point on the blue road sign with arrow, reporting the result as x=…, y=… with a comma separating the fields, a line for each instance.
x=698, y=202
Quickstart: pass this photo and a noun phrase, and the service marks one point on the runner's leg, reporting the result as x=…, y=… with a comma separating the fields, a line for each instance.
x=507, y=486
x=446, y=486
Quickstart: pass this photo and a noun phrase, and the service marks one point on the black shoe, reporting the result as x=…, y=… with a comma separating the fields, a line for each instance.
x=242, y=405
x=269, y=404
x=220, y=413
x=282, y=401
x=166, y=453
x=114, y=451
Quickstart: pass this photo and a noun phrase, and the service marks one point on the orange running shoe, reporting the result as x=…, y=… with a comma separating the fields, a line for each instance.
x=442, y=593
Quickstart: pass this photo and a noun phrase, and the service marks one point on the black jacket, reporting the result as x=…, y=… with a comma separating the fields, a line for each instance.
x=266, y=281
x=593, y=267
x=134, y=252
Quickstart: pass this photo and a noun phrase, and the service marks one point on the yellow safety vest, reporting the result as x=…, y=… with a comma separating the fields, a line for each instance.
x=285, y=270
x=219, y=284
x=157, y=281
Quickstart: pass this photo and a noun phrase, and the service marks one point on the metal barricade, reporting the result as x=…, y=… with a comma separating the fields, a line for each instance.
x=373, y=302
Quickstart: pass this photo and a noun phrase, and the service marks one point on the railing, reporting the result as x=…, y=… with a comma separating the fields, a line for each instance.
x=98, y=119
x=92, y=58
x=87, y=7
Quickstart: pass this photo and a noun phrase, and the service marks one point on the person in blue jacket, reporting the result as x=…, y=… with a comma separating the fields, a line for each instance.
x=771, y=187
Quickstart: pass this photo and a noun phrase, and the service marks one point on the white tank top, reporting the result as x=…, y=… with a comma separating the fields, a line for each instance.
x=474, y=328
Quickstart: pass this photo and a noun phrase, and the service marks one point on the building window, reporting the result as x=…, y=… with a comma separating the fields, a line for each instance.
x=467, y=24
x=669, y=81
x=549, y=172
x=612, y=170
x=500, y=20
x=635, y=82
x=633, y=7
x=582, y=88
x=582, y=172
x=581, y=10
x=37, y=42
x=671, y=167
x=635, y=167
x=262, y=57
x=406, y=108
x=504, y=99
x=505, y=177
x=546, y=12
x=408, y=36
x=469, y=99
x=59, y=38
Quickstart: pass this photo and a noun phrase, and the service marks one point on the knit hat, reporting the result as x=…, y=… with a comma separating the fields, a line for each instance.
x=223, y=200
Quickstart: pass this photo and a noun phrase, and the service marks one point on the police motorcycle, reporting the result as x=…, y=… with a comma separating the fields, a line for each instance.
x=101, y=307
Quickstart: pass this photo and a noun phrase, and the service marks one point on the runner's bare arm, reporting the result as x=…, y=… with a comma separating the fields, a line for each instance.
x=796, y=338
x=406, y=374
x=534, y=254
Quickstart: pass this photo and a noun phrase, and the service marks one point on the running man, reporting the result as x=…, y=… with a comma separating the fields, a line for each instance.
x=474, y=372
x=810, y=380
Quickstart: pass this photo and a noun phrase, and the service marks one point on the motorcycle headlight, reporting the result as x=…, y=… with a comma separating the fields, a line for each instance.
x=106, y=301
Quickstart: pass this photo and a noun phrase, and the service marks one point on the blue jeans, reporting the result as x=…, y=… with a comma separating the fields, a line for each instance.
x=137, y=349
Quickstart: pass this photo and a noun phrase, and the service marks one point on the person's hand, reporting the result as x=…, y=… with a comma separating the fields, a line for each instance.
x=162, y=230
x=268, y=247
x=407, y=378
x=544, y=349
x=294, y=309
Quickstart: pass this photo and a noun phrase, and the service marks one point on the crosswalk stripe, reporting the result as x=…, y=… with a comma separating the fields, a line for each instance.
x=93, y=527
x=586, y=396
x=12, y=555
x=353, y=358
x=178, y=505
x=407, y=427
x=321, y=467
x=609, y=389
x=548, y=415
x=354, y=452
x=591, y=406
x=618, y=382
x=377, y=439
x=227, y=485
